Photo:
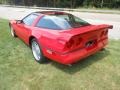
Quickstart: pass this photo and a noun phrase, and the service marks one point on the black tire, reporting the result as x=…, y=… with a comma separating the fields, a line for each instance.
x=12, y=32
x=103, y=49
x=38, y=55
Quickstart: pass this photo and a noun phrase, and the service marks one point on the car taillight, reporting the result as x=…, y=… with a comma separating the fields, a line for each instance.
x=70, y=43
x=73, y=43
x=78, y=42
x=106, y=32
x=102, y=34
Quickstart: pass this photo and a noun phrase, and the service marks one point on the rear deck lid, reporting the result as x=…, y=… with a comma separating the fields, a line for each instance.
x=86, y=29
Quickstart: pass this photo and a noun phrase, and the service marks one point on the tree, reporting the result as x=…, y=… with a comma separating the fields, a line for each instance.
x=66, y=3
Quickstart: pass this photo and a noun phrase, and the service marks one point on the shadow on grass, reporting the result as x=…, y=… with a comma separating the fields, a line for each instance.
x=83, y=63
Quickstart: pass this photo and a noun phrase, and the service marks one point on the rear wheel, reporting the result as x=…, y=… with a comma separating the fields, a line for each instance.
x=36, y=50
x=103, y=49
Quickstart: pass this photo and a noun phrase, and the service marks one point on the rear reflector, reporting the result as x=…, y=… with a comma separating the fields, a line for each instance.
x=70, y=43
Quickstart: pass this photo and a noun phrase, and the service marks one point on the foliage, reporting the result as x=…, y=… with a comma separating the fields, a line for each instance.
x=66, y=3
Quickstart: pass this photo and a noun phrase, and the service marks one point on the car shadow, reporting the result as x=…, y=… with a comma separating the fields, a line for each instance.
x=82, y=64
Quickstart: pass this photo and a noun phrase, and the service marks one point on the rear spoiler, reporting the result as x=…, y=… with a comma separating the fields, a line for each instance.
x=110, y=27
x=87, y=29
x=66, y=35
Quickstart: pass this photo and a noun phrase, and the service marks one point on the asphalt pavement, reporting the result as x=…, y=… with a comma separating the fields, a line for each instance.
x=93, y=18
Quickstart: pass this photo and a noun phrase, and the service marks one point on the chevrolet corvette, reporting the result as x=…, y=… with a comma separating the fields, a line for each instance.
x=60, y=36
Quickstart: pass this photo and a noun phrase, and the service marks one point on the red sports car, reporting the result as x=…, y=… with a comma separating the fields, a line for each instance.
x=60, y=36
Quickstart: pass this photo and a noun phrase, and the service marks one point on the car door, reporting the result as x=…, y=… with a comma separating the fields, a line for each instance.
x=24, y=27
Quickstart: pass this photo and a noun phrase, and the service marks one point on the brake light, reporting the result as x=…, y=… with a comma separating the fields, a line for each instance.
x=78, y=42
x=73, y=43
x=70, y=43
x=106, y=32
x=102, y=34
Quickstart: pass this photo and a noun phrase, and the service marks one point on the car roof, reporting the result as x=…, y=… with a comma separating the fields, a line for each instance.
x=51, y=12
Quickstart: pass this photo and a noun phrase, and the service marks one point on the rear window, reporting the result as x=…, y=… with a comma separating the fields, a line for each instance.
x=60, y=22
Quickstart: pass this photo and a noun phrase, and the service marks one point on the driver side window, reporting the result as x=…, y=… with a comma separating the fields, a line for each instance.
x=29, y=19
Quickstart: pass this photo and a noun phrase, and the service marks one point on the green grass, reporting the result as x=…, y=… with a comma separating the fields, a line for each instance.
x=19, y=71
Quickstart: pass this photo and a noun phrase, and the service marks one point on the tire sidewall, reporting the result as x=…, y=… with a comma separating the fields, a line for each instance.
x=12, y=32
x=42, y=58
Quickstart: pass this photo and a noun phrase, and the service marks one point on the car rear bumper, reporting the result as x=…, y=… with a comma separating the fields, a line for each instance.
x=76, y=55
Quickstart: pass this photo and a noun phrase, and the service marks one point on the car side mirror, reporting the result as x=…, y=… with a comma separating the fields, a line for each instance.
x=19, y=21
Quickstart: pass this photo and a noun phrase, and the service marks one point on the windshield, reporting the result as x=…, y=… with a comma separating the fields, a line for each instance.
x=61, y=22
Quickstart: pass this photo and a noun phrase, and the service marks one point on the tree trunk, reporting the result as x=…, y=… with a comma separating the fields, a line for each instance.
x=102, y=2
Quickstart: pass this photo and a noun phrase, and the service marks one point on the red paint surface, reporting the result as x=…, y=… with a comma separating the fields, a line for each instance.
x=65, y=46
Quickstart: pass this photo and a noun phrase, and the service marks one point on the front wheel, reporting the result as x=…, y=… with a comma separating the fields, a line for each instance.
x=37, y=53
x=12, y=32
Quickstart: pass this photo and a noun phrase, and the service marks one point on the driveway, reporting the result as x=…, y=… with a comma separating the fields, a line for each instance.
x=94, y=18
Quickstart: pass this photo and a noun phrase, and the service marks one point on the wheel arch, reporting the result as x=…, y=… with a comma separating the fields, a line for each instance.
x=30, y=38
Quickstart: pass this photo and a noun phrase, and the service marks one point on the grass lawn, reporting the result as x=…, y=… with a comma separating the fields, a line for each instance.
x=19, y=71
